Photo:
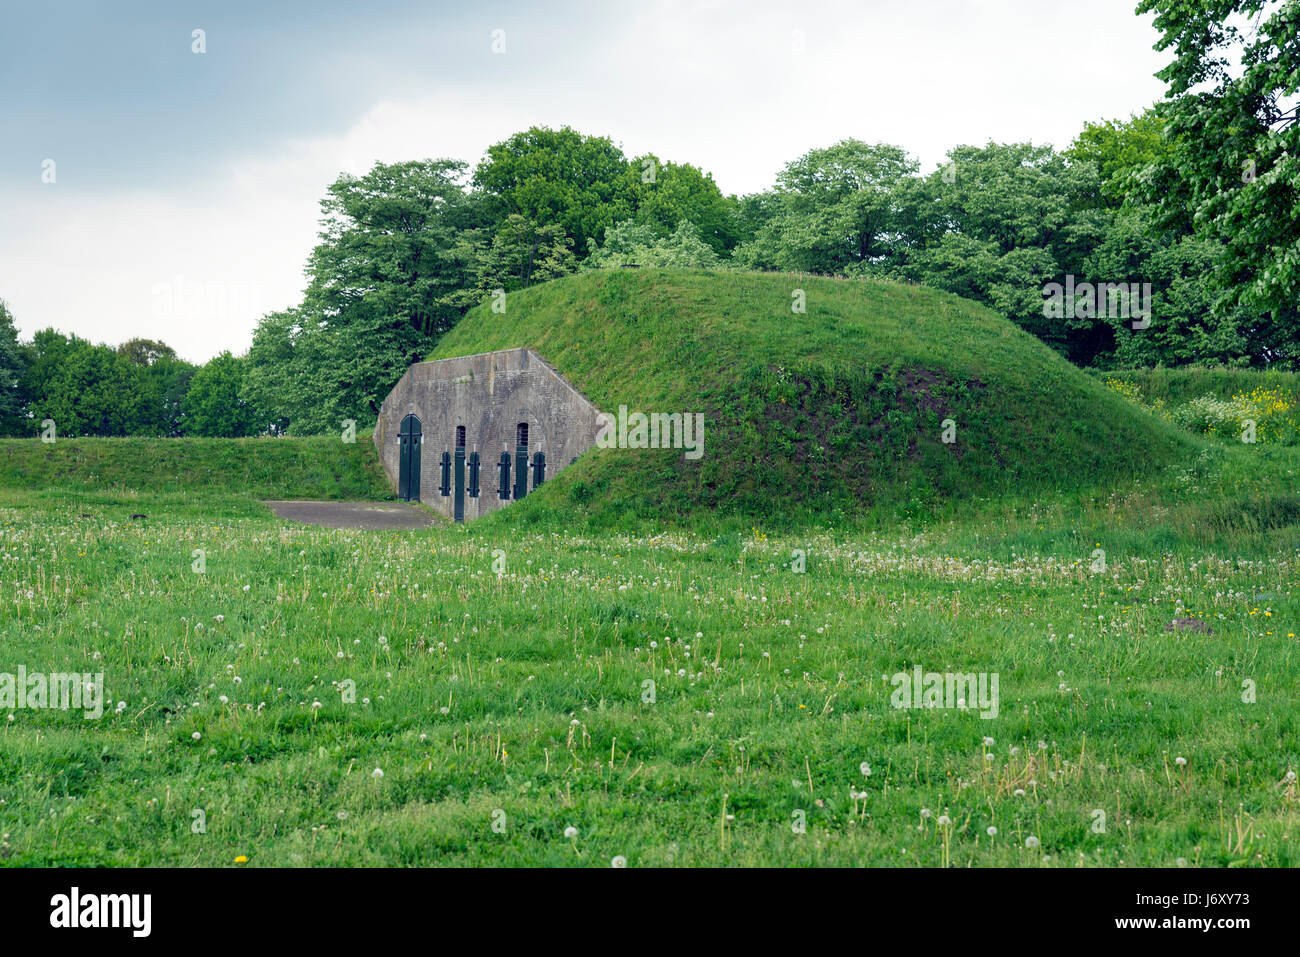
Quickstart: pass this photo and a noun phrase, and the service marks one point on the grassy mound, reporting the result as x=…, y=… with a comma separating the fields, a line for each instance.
x=310, y=467
x=821, y=413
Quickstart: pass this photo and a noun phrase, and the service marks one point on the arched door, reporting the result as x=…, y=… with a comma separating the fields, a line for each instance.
x=408, y=468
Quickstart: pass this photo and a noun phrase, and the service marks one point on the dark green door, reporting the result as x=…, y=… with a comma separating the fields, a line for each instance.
x=408, y=467
x=459, y=506
x=521, y=460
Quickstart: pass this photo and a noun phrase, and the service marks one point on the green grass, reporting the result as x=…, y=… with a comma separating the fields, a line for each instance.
x=1177, y=386
x=826, y=414
x=318, y=467
x=525, y=693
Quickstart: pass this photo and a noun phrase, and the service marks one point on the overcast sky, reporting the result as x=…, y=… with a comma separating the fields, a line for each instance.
x=186, y=186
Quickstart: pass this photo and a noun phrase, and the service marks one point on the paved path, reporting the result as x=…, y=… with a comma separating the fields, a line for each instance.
x=373, y=515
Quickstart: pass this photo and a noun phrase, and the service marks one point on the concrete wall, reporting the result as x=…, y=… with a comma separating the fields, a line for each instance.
x=489, y=394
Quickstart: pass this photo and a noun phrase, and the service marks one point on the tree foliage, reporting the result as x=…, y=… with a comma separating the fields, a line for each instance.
x=215, y=405
x=559, y=177
x=13, y=375
x=638, y=244
x=1233, y=169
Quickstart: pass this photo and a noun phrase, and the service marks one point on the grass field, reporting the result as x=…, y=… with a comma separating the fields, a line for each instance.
x=501, y=678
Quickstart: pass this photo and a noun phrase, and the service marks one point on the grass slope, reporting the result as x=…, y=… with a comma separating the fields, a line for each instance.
x=820, y=413
x=313, y=467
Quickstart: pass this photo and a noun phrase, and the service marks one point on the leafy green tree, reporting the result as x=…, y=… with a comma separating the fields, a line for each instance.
x=215, y=404
x=667, y=194
x=1233, y=170
x=1014, y=195
x=170, y=381
x=637, y=244
x=45, y=355
x=519, y=254
x=277, y=376
x=750, y=214
x=386, y=242
x=834, y=209
x=1121, y=150
x=13, y=377
x=90, y=390
x=1183, y=328
x=145, y=352
x=559, y=177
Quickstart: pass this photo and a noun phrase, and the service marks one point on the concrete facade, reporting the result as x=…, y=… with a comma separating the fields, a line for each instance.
x=488, y=394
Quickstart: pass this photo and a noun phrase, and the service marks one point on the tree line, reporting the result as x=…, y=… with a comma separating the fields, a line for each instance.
x=1196, y=196
x=138, y=388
